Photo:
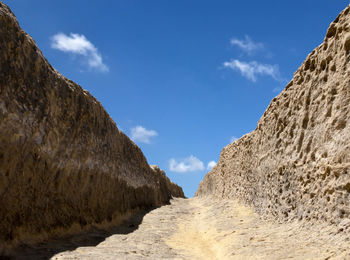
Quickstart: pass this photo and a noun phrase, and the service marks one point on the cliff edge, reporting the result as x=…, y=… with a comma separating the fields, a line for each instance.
x=63, y=162
x=296, y=163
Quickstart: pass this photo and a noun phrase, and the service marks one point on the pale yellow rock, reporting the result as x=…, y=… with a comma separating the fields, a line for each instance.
x=207, y=228
x=296, y=163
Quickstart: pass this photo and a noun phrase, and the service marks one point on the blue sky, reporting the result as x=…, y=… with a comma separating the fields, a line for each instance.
x=182, y=78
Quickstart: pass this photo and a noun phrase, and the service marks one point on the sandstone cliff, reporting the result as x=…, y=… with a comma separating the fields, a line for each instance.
x=63, y=162
x=296, y=163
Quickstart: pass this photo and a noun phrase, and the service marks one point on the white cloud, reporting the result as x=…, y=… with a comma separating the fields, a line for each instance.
x=233, y=139
x=189, y=164
x=247, y=45
x=78, y=44
x=250, y=70
x=141, y=134
x=277, y=90
x=210, y=165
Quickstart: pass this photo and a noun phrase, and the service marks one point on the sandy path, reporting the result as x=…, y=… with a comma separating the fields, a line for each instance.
x=211, y=229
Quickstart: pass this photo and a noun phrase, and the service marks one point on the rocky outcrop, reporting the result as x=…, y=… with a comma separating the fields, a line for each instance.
x=296, y=163
x=174, y=189
x=63, y=162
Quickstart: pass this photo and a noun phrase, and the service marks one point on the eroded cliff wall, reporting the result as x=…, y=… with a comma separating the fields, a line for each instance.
x=63, y=161
x=296, y=163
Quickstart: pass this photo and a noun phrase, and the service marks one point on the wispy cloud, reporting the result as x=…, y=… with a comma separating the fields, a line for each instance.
x=252, y=69
x=210, y=165
x=142, y=135
x=233, y=139
x=247, y=45
x=189, y=164
x=277, y=89
x=78, y=44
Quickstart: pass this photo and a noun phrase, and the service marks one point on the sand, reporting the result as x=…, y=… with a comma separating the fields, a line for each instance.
x=207, y=228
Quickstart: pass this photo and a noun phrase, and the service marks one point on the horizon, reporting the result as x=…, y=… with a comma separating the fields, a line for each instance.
x=182, y=80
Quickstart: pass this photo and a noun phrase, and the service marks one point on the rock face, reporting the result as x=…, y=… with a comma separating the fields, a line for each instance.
x=296, y=163
x=63, y=162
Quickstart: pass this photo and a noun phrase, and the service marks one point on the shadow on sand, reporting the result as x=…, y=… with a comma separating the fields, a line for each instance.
x=91, y=237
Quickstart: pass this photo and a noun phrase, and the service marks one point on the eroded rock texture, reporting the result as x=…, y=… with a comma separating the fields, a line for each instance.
x=63, y=162
x=296, y=163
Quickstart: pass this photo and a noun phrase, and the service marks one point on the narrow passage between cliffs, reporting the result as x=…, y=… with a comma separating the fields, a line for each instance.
x=206, y=228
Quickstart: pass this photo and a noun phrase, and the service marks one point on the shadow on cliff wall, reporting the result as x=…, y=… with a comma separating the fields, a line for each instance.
x=91, y=237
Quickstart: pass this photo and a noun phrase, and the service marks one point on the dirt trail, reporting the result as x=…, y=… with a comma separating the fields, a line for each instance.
x=205, y=228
